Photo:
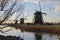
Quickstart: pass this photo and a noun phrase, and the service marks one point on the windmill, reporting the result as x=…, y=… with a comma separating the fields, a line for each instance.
x=38, y=19
x=24, y=18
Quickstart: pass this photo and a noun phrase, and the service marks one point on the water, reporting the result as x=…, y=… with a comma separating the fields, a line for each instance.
x=16, y=32
x=49, y=37
x=25, y=35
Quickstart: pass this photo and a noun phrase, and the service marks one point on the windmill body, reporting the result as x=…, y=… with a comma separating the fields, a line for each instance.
x=24, y=18
x=38, y=18
x=22, y=21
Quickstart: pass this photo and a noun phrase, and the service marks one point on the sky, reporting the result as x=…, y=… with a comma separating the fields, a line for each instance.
x=50, y=7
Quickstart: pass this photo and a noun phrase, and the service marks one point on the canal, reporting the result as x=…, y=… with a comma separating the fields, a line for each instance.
x=11, y=31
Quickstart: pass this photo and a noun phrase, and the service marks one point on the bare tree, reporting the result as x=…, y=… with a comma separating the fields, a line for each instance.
x=10, y=11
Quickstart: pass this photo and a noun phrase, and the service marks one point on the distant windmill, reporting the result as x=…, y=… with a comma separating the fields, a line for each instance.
x=24, y=18
x=38, y=19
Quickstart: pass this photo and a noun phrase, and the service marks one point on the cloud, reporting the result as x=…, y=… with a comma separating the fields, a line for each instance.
x=31, y=0
x=34, y=1
x=55, y=5
x=20, y=0
x=57, y=9
x=54, y=20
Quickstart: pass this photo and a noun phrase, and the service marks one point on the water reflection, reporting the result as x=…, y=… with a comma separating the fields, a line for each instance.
x=49, y=37
x=29, y=36
x=11, y=31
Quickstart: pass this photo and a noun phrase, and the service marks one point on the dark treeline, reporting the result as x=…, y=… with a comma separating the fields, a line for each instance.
x=9, y=38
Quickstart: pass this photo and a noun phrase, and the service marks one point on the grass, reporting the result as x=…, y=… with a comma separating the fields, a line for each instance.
x=52, y=29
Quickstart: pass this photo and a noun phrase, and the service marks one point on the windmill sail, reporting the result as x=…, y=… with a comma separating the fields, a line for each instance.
x=38, y=16
x=40, y=5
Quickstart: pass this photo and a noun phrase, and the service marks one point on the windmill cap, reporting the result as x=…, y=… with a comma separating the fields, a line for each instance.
x=37, y=12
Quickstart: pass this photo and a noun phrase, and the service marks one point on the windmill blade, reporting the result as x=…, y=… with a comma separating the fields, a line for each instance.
x=44, y=13
x=40, y=8
x=40, y=5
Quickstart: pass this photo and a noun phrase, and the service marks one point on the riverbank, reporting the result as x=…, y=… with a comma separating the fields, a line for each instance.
x=52, y=29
